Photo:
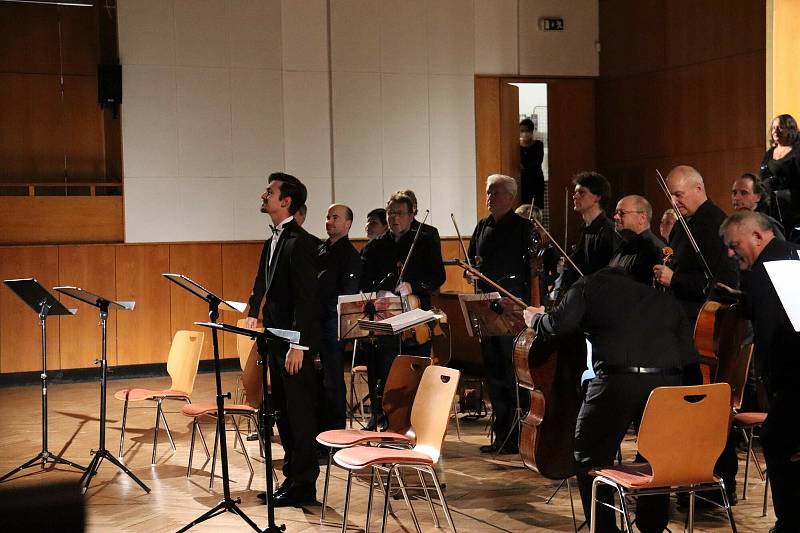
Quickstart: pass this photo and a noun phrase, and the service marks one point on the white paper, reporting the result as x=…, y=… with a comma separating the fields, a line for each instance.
x=784, y=276
x=237, y=306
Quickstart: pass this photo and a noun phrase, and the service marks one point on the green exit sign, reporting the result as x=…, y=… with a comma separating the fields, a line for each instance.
x=551, y=24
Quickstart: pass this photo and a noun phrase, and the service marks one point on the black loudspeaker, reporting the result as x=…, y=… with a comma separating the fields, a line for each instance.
x=109, y=84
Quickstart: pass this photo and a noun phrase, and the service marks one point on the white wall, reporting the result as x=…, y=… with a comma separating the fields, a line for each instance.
x=358, y=98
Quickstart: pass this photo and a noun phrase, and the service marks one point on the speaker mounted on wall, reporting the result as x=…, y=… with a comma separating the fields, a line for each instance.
x=109, y=85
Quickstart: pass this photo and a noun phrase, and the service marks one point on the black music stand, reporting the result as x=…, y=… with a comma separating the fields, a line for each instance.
x=266, y=415
x=44, y=304
x=227, y=504
x=104, y=304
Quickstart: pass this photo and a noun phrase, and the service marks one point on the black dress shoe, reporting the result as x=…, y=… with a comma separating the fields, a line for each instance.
x=283, y=489
x=297, y=496
x=509, y=448
x=377, y=422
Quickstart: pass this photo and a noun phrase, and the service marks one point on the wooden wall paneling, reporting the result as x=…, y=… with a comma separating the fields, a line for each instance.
x=79, y=35
x=509, y=132
x=83, y=129
x=203, y=264
x=454, y=281
x=31, y=135
x=487, y=136
x=20, y=333
x=91, y=268
x=61, y=219
x=239, y=266
x=145, y=334
x=28, y=38
x=571, y=123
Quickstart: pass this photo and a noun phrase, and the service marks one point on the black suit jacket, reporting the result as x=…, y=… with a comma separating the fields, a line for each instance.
x=290, y=285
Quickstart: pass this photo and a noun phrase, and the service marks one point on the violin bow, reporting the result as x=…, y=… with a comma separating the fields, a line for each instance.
x=463, y=249
x=560, y=249
x=489, y=281
x=663, y=184
x=566, y=217
x=413, y=245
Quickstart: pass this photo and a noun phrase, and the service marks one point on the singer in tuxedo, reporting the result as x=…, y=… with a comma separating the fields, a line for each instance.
x=287, y=276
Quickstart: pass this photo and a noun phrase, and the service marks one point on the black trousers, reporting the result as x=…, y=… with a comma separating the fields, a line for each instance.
x=381, y=352
x=611, y=404
x=780, y=437
x=295, y=404
x=497, y=353
x=333, y=407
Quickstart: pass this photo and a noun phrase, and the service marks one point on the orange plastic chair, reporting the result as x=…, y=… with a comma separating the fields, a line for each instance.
x=430, y=415
x=398, y=397
x=252, y=385
x=683, y=433
x=182, y=363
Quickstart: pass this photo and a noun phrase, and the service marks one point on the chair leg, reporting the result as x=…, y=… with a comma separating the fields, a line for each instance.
x=191, y=448
x=386, y=498
x=244, y=450
x=766, y=491
x=347, y=500
x=690, y=517
x=727, y=505
x=593, y=507
x=623, y=504
x=404, y=492
x=445, y=507
x=124, y=421
x=428, y=497
x=327, y=482
x=369, y=499
x=155, y=431
x=169, y=433
x=203, y=440
x=455, y=415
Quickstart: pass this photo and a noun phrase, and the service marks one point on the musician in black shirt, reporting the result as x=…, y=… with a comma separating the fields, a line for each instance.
x=640, y=250
x=499, y=249
x=630, y=358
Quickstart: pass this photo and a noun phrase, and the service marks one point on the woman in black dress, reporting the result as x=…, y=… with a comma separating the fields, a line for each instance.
x=780, y=170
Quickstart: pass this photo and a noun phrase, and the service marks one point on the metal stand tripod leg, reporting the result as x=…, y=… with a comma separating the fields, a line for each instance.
x=45, y=456
x=101, y=452
x=517, y=419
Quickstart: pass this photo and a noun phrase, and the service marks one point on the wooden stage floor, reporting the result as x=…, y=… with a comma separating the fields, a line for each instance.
x=485, y=494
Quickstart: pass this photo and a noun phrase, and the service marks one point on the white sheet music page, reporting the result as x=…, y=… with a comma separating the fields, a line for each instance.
x=784, y=276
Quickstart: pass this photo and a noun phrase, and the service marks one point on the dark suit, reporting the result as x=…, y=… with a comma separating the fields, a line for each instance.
x=638, y=255
x=777, y=349
x=617, y=315
x=289, y=283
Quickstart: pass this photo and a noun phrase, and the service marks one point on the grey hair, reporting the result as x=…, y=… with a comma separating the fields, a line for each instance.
x=509, y=183
x=747, y=218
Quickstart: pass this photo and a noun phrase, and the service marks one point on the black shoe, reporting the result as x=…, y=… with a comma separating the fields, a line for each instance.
x=377, y=422
x=283, y=489
x=509, y=448
x=252, y=436
x=297, y=496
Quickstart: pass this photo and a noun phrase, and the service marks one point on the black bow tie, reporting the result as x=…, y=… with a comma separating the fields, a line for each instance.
x=275, y=230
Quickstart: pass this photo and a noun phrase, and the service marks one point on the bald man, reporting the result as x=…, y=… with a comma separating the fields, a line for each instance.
x=687, y=278
x=641, y=250
x=339, y=273
x=750, y=240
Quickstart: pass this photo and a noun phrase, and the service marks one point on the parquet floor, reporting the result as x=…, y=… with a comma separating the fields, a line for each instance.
x=485, y=494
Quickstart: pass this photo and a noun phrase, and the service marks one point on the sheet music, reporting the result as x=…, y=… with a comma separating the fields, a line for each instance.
x=784, y=275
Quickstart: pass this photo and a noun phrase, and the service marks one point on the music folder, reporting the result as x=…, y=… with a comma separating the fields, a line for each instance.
x=784, y=276
x=32, y=293
x=490, y=315
x=203, y=293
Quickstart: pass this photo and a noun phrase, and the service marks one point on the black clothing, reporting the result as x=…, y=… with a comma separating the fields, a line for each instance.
x=597, y=242
x=382, y=257
x=782, y=176
x=289, y=283
x=617, y=315
x=638, y=255
x=777, y=346
x=532, y=177
x=689, y=284
x=340, y=271
x=500, y=249
x=426, y=228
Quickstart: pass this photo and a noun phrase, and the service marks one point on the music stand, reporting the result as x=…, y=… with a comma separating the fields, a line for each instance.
x=227, y=504
x=104, y=304
x=44, y=304
x=267, y=419
x=489, y=315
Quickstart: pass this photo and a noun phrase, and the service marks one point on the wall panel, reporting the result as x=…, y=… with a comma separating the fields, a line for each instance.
x=20, y=333
x=93, y=269
x=203, y=264
x=239, y=265
x=144, y=335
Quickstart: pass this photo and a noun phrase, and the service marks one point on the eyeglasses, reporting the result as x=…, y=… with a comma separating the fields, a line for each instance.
x=622, y=212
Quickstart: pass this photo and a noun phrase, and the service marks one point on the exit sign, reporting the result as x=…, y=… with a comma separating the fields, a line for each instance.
x=551, y=24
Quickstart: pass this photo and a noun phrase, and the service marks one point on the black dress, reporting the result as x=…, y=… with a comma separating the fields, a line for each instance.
x=530, y=163
x=782, y=176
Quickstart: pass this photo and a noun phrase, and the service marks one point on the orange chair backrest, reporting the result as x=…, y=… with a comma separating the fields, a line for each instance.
x=400, y=390
x=183, y=359
x=251, y=380
x=244, y=345
x=683, y=432
x=432, y=405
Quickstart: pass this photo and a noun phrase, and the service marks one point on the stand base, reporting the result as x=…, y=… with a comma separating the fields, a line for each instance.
x=229, y=506
x=44, y=458
x=94, y=466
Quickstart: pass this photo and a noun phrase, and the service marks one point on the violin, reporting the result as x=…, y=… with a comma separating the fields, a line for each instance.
x=422, y=333
x=666, y=260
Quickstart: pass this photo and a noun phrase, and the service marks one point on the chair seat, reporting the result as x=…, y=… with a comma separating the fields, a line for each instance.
x=137, y=395
x=210, y=409
x=749, y=419
x=360, y=457
x=634, y=475
x=360, y=369
x=344, y=438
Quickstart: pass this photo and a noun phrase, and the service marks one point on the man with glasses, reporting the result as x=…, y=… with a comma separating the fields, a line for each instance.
x=499, y=248
x=383, y=259
x=641, y=250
